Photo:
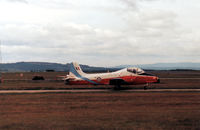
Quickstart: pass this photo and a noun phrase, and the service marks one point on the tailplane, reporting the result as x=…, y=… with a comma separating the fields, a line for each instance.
x=75, y=70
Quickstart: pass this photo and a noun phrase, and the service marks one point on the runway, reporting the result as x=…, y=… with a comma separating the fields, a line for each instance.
x=93, y=91
x=53, y=80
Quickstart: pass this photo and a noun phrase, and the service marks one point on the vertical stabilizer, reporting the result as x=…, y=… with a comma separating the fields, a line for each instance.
x=75, y=70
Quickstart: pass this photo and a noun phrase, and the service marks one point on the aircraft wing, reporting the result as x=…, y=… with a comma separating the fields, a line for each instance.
x=66, y=77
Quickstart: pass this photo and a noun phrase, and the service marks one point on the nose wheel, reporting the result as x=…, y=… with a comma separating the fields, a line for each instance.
x=146, y=86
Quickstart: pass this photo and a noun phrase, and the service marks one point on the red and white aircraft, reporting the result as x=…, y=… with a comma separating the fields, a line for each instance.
x=127, y=76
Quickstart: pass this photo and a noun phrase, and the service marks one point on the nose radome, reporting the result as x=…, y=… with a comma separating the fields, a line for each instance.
x=156, y=79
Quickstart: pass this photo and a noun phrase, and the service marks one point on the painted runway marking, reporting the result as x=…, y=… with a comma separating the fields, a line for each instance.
x=93, y=90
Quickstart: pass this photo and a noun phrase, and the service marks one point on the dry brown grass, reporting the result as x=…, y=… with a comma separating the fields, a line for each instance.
x=113, y=110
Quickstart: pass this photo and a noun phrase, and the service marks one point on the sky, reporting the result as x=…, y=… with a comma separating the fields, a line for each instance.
x=100, y=32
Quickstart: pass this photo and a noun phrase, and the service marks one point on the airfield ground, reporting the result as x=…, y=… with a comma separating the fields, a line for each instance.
x=169, y=79
x=100, y=110
x=113, y=110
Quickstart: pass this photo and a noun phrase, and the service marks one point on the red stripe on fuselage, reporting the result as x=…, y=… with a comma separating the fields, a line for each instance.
x=131, y=80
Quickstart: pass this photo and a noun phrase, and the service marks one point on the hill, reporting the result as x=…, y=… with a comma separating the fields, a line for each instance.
x=166, y=66
x=43, y=66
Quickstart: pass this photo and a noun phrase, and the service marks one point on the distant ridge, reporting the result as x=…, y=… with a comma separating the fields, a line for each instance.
x=43, y=66
x=166, y=66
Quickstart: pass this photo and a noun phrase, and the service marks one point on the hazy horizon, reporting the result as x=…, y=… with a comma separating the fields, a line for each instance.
x=125, y=65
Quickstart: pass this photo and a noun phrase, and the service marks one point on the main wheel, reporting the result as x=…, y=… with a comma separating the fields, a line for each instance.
x=117, y=87
x=67, y=82
x=145, y=87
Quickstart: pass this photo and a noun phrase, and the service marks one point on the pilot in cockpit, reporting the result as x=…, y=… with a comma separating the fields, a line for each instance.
x=135, y=70
x=138, y=71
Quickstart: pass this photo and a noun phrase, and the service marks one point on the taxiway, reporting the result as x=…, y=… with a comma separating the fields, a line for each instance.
x=94, y=91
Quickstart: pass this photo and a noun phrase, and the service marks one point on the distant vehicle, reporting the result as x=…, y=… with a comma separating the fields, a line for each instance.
x=127, y=76
x=37, y=77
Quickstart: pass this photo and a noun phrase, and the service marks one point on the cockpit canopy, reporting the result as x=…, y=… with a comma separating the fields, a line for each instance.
x=135, y=70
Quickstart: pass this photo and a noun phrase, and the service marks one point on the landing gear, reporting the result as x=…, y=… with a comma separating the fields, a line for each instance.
x=117, y=86
x=146, y=86
x=117, y=83
x=67, y=82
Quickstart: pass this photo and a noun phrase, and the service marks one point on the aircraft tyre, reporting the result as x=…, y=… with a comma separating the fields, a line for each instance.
x=145, y=87
x=117, y=85
x=66, y=82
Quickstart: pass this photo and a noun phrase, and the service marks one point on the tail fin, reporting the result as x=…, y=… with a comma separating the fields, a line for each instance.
x=75, y=70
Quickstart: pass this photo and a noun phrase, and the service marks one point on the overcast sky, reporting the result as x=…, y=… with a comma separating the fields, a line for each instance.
x=100, y=32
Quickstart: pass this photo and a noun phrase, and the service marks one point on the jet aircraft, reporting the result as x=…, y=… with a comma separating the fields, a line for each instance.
x=126, y=76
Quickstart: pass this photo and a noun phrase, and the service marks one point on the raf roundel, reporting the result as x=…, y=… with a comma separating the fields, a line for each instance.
x=99, y=79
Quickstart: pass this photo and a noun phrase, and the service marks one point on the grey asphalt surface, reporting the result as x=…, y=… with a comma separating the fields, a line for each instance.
x=94, y=90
